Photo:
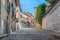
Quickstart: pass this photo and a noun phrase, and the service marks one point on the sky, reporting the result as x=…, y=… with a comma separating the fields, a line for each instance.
x=28, y=5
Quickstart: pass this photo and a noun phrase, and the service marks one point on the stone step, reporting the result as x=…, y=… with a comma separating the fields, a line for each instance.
x=28, y=37
x=31, y=34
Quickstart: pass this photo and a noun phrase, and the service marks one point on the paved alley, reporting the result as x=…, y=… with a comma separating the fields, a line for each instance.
x=29, y=34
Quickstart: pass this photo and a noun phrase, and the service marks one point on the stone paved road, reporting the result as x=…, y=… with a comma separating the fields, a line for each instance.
x=29, y=34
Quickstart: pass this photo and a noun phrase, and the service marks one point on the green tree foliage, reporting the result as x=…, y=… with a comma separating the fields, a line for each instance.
x=40, y=10
x=50, y=1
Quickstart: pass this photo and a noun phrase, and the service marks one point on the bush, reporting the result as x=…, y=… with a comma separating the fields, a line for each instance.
x=50, y=1
x=40, y=10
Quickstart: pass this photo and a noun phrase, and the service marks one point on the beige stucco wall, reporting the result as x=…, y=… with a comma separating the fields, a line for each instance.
x=52, y=20
x=3, y=14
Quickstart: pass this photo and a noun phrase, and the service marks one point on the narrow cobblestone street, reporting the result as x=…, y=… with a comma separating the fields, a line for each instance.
x=29, y=19
x=29, y=34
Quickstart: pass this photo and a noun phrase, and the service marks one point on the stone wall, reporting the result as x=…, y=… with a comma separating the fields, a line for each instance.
x=52, y=20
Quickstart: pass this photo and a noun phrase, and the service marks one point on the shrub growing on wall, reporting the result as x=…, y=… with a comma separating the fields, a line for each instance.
x=50, y=1
x=40, y=10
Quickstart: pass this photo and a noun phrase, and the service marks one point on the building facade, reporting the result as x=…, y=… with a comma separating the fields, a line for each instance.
x=12, y=18
x=27, y=20
x=14, y=15
x=8, y=17
x=18, y=12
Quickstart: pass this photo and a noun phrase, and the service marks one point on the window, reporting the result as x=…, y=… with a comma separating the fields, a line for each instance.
x=12, y=5
x=12, y=8
x=8, y=5
x=12, y=12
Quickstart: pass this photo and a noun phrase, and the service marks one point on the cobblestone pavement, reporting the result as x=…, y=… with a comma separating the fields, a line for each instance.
x=29, y=34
